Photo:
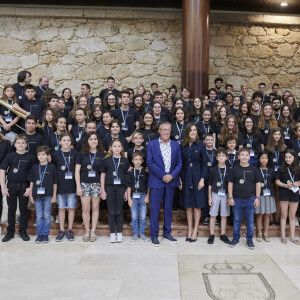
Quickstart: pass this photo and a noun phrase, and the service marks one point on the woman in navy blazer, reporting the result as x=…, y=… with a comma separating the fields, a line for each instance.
x=194, y=171
x=164, y=170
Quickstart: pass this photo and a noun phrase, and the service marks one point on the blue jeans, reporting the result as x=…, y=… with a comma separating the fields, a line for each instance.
x=243, y=207
x=43, y=215
x=138, y=213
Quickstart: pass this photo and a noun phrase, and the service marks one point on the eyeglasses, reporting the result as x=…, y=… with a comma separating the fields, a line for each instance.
x=111, y=99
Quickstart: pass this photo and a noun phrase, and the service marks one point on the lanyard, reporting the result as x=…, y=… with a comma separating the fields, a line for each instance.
x=99, y=124
x=42, y=175
x=116, y=167
x=67, y=164
x=265, y=177
x=147, y=106
x=277, y=117
x=179, y=130
x=136, y=178
x=92, y=159
x=80, y=132
x=197, y=119
x=292, y=177
x=287, y=126
x=158, y=121
x=276, y=153
x=90, y=99
x=298, y=143
x=222, y=177
x=211, y=158
x=206, y=129
x=250, y=138
x=124, y=119
x=57, y=142
x=231, y=161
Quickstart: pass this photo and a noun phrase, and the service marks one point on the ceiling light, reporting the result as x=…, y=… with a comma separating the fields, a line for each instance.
x=283, y=4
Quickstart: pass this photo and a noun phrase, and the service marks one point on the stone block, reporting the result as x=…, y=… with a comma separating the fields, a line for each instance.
x=255, y=30
x=29, y=61
x=285, y=80
x=282, y=31
x=68, y=60
x=237, y=52
x=260, y=51
x=293, y=37
x=159, y=46
x=58, y=47
x=170, y=60
x=271, y=71
x=82, y=31
x=23, y=35
x=138, y=70
x=62, y=72
x=134, y=43
x=144, y=27
x=11, y=45
x=249, y=40
x=217, y=52
x=221, y=62
x=224, y=41
x=46, y=34
x=294, y=70
x=92, y=45
x=286, y=50
x=88, y=59
x=65, y=33
x=121, y=72
x=87, y=73
x=9, y=62
x=116, y=46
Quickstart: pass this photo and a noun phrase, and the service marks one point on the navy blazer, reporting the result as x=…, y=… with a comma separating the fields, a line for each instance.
x=156, y=166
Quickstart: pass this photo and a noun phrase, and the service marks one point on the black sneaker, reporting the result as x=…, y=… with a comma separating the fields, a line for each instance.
x=211, y=239
x=7, y=237
x=70, y=235
x=224, y=239
x=170, y=239
x=39, y=239
x=250, y=245
x=206, y=221
x=45, y=239
x=60, y=236
x=233, y=243
x=24, y=236
x=155, y=242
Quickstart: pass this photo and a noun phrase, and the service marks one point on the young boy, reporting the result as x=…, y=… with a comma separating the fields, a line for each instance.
x=236, y=105
x=64, y=161
x=78, y=131
x=208, y=140
x=244, y=184
x=217, y=196
x=17, y=164
x=137, y=140
x=138, y=196
x=89, y=127
x=43, y=187
x=232, y=158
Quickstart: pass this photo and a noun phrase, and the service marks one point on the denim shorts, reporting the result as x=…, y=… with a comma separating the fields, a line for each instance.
x=66, y=200
x=90, y=189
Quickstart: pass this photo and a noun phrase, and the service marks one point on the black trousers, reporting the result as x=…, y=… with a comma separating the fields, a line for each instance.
x=16, y=191
x=115, y=201
x=1, y=204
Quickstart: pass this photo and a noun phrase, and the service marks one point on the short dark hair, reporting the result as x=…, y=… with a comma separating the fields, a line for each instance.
x=82, y=109
x=276, y=98
x=221, y=150
x=154, y=83
x=124, y=92
x=212, y=90
x=89, y=122
x=22, y=75
x=114, y=121
x=157, y=93
x=257, y=94
x=65, y=133
x=43, y=148
x=54, y=96
x=244, y=149
x=219, y=79
x=110, y=78
x=137, y=153
x=86, y=85
x=207, y=135
x=275, y=84
x=228, y=85
x=31, y=117
x=173, y=87
x=29, y=87
x=228, y=138
x=262, y=83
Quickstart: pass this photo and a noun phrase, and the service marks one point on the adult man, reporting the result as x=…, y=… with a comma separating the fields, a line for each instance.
x=110, y=84
x=164, y=163
x=86, y=91
x=276, y=104
x=218, y=86
x=43, y=85
x=262, y=89
x=24, y=77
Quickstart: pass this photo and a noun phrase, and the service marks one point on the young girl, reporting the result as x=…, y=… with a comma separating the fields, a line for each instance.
x=113, y=187
x=220, y=119
x=48, y=125
x=266, y=121
x=103, y=131
x=196, y=111
x=157, y=113
x=96, y=115
x=82, y=102
x=244, y=111
x=115, y=134
x=206, y=125
x=78, y=131
x=138, y=104
x=288, y=180
x=110, y=102
x=286, y=122
x=7, y=118
x=267, y=200
x=236, y=105
x=178, y=125
x=294, y=142
x=87, y=177
x=148, y=128
x=291, y=102
x=67, y=96
x=53, y=138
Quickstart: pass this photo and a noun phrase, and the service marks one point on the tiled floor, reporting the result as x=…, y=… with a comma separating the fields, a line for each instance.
x=78, y=270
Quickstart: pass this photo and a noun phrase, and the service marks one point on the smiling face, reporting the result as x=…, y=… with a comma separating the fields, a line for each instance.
x=223, y=112
x=93, y=141
x=263, y=160
x=249, y=124
x=231, y=123
x=289, y=158
x=83, y=102
x=148, y=119
x=206, y=116
x=115, y=129
x=164, y=131
x=267, y=111
x=178, y=103
x=97, y=113
x=116, y=148
x=193, y=133
x=61, y=124
x=179, y=115
x=277, y=136
x=244, y=157
x=107, y=118
x=67, y=94
x=285, y=111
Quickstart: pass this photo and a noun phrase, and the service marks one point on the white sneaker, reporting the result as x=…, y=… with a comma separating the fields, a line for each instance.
x=112, y=238
x=120, y=237
x=57, y=220
x=297, y=221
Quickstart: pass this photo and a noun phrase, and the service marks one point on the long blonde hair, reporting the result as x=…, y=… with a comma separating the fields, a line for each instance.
x=76, y=105
x=225, y=132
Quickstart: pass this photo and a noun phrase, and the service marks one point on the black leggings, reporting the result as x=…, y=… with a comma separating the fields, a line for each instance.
x=115, y=201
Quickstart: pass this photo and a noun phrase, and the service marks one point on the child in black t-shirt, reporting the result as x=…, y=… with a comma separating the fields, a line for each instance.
x=138, y=196
x=43, y=187
x=288, y=180
x=232, y=158
x=16, y=165
x=137, y=140
x=217, y=196
x=113, y=187
x=244, y=185
x=64, y=159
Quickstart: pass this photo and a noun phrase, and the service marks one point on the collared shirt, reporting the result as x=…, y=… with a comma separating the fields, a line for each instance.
x=166, y=154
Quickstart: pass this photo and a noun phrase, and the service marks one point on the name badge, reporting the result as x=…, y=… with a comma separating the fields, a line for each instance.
x=69, y=175
x=136, y=195
x=92, y=174
x=117, y=180
x=221, y=192
x=8, y=119
x=295, y=189
x=266, y=192
x=41, y=191
x=125, y=128
x=287, y=137
x=252, y=153
x=276, y=168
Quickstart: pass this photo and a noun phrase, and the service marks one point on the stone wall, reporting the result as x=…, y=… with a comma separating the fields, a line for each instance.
x=135, y=52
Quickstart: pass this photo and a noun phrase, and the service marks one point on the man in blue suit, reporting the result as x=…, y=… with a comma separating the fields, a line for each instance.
x=164, y=163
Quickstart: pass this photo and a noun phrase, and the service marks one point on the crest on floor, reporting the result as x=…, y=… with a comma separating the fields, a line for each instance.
x=236, y=281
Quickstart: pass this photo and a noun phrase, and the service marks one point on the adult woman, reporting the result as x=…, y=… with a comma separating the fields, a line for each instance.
x=194, y=171
x=286, y=122
x=66, y=94
x=266, y=121
x=53, y=138
x=178, y=125
x=110, y=102
x=206, y=125
x=48, y=125
x=196, y=108
x=223, y=112
x=87, y=176
x=148, y=127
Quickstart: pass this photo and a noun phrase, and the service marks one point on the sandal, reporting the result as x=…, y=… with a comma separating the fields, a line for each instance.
x=259, y=237
x=266, y=237
x=295, y=241
x=283, y=241
x=93, y=236
x=86, y=236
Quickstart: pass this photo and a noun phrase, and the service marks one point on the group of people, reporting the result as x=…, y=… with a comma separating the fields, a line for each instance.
x=132, y=148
